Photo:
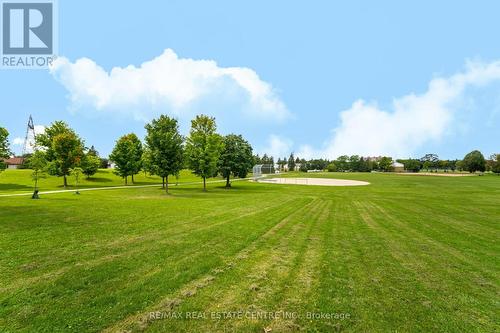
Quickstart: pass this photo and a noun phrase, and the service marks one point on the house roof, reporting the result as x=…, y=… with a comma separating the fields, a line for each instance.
x=14, y=161
x=398, y=165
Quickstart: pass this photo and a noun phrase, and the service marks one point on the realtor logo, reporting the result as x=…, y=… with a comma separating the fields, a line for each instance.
x=28, y=33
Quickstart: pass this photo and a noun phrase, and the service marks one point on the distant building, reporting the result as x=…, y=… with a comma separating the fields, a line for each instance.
x=398, y=167
x=14, y=162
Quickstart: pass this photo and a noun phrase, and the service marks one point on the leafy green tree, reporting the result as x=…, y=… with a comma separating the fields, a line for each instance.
x=164, y=153
x=474, y=161
x=4, y=147
x=63, y=149
x=90, y=164
x=495, y=166
x=332, y=167
x=203, y=147
x=147, y=162
x=66, y=152
x=412, y=165
x=342, y=163
x=92, y=151
x=104, y=163
x=385, y=164
x=235, y=158
x=38, y=165
x=76, y=172
x=291, y=163
x=430, y=161
x=127, y=155
x=303, y=165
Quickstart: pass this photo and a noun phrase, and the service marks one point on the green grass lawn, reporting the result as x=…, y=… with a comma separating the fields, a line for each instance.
x=20, y=181
x=404, y=254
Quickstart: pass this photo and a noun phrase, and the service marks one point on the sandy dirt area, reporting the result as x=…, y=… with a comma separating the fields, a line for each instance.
x=314, y=181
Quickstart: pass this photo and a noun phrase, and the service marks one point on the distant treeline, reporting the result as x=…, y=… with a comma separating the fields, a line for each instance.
x=472, y=162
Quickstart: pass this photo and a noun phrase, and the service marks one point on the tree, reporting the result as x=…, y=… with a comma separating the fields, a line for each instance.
x=354, y=163
x=164, y=153
x=412, y=165
x=474, y=161
x=342, y=163
x=76, y=172
x=332, y=167
x=203, y=147
x=104, y=162
x=92, y=151
x=63, y=149
x=90, y=164
x=385, y=164
x=127, y=155
x=495, y=166
x=4, y=147
x=67, y=152
x=291, y=163
x=37, y=163
x=430, y=161
x=235, y=158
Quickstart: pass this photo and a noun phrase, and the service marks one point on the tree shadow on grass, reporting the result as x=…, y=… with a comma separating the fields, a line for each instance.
x=98, y=180
x=7, y=187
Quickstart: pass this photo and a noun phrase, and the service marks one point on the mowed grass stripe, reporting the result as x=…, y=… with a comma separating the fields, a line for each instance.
x=256, y=275
x=280, y=228
x=91, y=252
x=431, y=234
x=183, y=262
x=440, y=279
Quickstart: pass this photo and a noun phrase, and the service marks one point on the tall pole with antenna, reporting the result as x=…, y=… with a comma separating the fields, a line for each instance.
x=30, y=137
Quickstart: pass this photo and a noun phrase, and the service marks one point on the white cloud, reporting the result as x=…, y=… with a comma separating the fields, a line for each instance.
x=169, y=84
x=277, y=146
x=18, y=141
x=414, y=120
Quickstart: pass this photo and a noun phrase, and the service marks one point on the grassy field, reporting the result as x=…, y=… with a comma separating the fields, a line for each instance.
x=20, y=181
x=406, y=253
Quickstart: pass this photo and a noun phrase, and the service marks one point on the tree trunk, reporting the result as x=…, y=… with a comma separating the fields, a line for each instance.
x=65, y=182
x=204, y=184
x=132, y=178
x=126, y=180
x=166, y=185
x=228, y=183
x=162, y=182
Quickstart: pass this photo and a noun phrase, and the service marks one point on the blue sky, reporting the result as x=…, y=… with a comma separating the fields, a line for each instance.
x=373, y=61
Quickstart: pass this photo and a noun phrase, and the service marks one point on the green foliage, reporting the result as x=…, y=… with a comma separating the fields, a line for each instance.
x=63, y=148
x=291, y=163
x=474, y=161
x=90, y=164
x=164, y=155
x=430, y=162
x=67, y=152
x=412, y=165
x=38, y=165
x=385, y=164
x=77, y=173
x=103, y=164
x=236, y=157
x=342, y=163
x=127, y=155
x=495, y=166
x=332, y=167
x=203, y=147
x=4, y=147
